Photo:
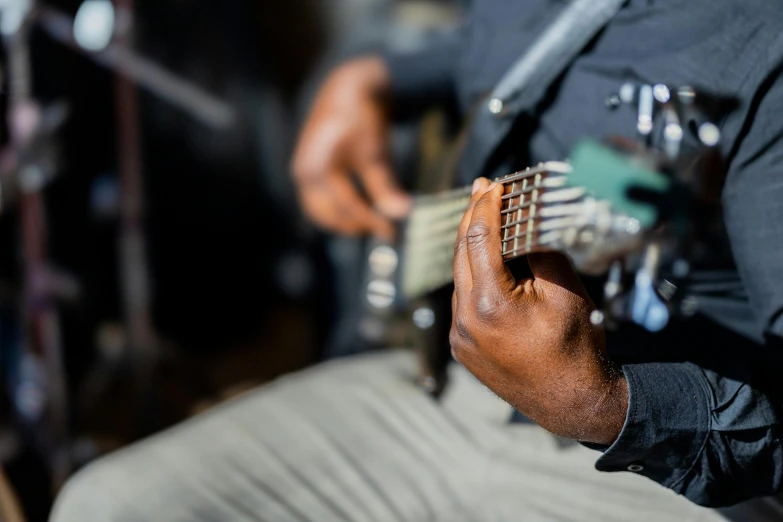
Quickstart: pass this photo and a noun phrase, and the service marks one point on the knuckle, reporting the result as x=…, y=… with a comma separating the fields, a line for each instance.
x=478, y=233
x=463, y=329
x=457, y=344
x=488, y=306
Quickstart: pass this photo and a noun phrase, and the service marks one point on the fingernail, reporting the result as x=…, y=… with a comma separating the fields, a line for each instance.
x=476, y=185
x=491, y=187
x=395, y=207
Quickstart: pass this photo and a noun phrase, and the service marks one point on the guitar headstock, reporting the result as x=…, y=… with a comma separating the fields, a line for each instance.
x=642, y=201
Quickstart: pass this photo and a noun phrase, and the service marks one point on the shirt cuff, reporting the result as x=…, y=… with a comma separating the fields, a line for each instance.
x=667, y=424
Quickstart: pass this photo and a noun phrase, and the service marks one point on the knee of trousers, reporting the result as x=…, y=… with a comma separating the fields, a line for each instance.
x=90, y=496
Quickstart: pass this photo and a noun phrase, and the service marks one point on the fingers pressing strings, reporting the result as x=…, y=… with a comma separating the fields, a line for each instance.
x=484, y=247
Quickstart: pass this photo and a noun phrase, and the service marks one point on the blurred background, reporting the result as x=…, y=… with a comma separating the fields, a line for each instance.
x=153, y=261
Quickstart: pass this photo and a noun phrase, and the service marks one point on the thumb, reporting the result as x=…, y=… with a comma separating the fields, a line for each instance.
x=382, y=188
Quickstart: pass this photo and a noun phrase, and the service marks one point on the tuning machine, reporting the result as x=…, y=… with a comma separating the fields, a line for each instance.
x=683, y=110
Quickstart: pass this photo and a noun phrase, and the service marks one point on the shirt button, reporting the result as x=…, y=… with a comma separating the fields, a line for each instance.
x=635, y=468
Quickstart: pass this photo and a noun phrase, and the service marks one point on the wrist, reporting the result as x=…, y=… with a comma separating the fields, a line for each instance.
x=606, y=417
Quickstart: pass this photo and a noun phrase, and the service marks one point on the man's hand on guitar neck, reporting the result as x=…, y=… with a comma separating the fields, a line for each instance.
x=345, y=135
x=532, y=341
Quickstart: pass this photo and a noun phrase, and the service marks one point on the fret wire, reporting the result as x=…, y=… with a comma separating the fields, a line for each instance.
x=508, y=216
x=516, y=223
x=430, y=242
x=442, y=251
x=523, y=251
x=527, y=190
x=560, y=225
x=519, y=213
x=432, y=226
x=514, y=209
x=435, y=236
x=522, y=234
x=530, y=224
x=548, y=183
x=446, y=221
x=522, y=174
x=422, y=233
x=436, y=272
x=542, y=241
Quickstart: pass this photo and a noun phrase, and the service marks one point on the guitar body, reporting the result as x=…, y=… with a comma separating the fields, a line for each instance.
x=387, y=319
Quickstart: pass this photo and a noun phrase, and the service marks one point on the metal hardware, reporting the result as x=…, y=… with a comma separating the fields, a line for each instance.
x=627, y=93
x=661, y=93
x=646, y=107
x=424, y=318
x=381, y=294
x=383, y=261
x=709, y=134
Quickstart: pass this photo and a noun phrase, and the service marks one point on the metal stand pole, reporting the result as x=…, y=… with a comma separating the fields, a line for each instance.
x=40, y=393
x=142, y=340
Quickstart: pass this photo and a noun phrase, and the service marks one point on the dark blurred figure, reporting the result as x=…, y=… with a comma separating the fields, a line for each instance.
x=235, y=271
x=356, y=440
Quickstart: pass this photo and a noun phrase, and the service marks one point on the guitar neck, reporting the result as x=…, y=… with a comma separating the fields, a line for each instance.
x=539, y=213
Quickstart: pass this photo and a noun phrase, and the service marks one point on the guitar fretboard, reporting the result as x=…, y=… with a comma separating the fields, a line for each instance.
x=538, y=210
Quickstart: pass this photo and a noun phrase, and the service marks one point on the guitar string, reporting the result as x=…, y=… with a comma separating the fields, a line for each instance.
x=546, y=196
x=446, y=244
x=437, y=256
x=440, y=272
x=444, y=226
x=433, y=227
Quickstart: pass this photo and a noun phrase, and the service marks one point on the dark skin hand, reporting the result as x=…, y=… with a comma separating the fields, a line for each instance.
x=344, y=140
x=531, y=341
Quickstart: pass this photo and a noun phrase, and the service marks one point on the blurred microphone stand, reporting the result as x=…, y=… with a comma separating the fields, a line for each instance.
x=133, y=70
x=27, y=166
x=143, y=343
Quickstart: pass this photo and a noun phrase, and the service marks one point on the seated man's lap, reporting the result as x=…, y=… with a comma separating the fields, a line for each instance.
x=356, y=440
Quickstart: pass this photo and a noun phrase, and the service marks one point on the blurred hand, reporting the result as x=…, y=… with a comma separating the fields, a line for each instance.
x=532, y=341
x=346, y=135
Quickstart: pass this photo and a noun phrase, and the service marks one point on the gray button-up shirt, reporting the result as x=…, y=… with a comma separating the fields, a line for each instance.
x=704, y=413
